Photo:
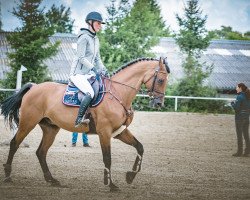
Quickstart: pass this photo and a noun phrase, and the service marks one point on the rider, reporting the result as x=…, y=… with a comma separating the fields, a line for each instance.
x=87, y=62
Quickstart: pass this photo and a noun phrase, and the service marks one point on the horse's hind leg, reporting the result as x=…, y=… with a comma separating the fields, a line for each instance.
x=23, y=130
x=7, y=166
x=127, y=137
x=49, y=134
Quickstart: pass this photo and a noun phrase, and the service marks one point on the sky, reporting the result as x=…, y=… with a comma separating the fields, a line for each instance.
x=234, y=13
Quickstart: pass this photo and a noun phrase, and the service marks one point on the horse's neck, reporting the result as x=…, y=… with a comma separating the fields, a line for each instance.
x=131, y=79
x=133, y=75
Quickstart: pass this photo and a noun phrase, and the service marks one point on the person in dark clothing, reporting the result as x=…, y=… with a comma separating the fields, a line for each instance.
x=242, y=112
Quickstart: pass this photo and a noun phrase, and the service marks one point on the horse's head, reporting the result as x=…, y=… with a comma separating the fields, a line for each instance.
x=156, y=83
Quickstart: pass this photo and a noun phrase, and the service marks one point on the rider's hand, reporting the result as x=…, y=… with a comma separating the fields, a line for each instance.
x=105, y=73
x=95, y=70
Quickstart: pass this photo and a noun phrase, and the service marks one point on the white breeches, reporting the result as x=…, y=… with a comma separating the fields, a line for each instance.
x=82, y=83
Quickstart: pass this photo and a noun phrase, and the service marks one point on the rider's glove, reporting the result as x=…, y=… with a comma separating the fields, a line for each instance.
x=105, y=73
x=95, y=70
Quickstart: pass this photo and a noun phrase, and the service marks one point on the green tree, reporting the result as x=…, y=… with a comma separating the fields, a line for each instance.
x=142, y=29
x=192, y=39
x=59, y=19
x=227, y=32
x=1, y=23
x=247, y=34
x=131, y=31
x=30, y=43
x=111, y=50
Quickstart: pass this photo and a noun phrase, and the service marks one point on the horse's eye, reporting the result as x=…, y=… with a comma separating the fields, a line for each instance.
x=160, y=81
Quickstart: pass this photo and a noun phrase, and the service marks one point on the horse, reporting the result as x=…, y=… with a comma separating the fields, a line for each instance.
x=42, y=104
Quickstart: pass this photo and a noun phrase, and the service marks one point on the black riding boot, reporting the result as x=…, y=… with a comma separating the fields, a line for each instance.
x=81, y=113
x=239, y=152
x=246, y=152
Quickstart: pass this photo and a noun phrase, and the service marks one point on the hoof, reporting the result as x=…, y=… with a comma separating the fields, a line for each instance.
x=7, y=180
x=130, y=177
x=7, y=170
x=114, y=188
x=238, y=154
x=55, y=183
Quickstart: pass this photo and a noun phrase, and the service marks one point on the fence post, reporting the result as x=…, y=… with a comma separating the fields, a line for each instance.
x=175, y=103
x=19, y=77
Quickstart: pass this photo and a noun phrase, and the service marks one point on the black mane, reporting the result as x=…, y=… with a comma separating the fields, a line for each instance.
x=133, y=62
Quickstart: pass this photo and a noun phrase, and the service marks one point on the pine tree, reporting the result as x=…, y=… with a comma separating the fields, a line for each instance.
x=30, y=43
x=59, y=19
x=192, y=40
x=192, y=37
x=1, y=23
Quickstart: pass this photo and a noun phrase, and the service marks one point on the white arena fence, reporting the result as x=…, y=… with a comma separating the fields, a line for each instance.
x=7, y=90
x=176, y=98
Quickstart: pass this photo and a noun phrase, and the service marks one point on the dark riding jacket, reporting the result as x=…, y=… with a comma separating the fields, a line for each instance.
x=241, y=106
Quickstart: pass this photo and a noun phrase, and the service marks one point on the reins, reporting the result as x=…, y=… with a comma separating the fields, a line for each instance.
x=152, y=90
x=121, y=83
x=128, y=111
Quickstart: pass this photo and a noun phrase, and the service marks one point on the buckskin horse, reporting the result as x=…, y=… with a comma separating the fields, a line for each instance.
x=42, y=104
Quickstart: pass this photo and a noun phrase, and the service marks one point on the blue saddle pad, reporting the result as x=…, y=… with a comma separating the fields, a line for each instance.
x=72, y=96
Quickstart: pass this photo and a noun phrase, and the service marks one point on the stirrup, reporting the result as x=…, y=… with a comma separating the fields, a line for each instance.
x=82, y=122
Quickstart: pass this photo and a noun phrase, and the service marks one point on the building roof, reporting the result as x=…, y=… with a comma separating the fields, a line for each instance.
x=58, y=66
x=231, y=59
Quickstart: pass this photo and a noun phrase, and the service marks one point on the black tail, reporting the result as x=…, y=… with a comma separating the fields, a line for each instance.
x=10, y=106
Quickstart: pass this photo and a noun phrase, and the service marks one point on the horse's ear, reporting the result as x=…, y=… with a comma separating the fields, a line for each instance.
x=161, y=64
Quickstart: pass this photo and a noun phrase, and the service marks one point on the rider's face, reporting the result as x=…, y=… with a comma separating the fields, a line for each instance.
x=97, y=26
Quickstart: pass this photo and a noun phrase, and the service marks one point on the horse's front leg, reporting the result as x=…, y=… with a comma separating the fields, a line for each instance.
x=127, y=137
x=105, y=141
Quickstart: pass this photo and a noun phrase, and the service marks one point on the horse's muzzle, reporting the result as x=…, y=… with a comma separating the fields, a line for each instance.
x=156, y=103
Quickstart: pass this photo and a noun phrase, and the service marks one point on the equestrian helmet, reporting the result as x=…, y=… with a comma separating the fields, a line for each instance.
x=95, y=16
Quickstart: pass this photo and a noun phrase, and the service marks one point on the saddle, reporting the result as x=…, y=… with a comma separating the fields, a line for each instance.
x=73, y=96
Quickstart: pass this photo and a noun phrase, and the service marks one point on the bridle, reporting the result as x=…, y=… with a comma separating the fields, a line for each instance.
x=129, y=111
x=150, y=92
x=152, y=89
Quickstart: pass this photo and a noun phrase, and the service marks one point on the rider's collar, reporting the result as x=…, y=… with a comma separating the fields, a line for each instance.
x=93, y=34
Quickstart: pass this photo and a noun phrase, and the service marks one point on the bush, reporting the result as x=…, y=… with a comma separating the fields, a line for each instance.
x=4, y=95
